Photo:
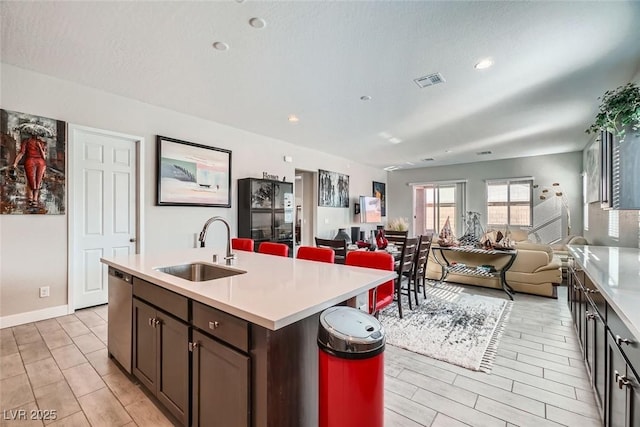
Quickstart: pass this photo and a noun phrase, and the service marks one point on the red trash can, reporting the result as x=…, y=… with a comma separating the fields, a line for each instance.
x=351, y=367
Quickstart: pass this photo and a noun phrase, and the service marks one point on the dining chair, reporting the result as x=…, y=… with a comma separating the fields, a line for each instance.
x=404, y=266
x=242, y=244
x=339, y=246
x=316, y=254
x=271, y=248
x=420, y=259
x=395, y=237
x=382, y=295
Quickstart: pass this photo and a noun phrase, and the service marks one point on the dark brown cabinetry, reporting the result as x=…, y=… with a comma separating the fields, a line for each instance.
x=231, y=372
x=611, y=353
x=266, y=211
x=161, y=349
x=220, y=384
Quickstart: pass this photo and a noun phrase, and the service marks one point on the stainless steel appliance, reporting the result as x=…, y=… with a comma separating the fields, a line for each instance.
x=120, y=314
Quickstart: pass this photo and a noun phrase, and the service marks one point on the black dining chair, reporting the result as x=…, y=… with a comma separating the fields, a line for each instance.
x=339, y=246
x=418, y=273
x=404, y=266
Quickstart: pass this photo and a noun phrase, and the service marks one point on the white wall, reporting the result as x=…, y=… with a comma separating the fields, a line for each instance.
x=563, y=168
x=33, y=248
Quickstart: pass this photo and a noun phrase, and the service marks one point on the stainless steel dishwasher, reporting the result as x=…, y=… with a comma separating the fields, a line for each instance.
x=120, y=310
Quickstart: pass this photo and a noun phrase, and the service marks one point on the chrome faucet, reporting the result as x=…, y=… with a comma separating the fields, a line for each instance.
x=203, y=235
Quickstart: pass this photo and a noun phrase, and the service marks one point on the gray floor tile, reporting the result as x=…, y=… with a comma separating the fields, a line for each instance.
x=441, y=388
x=444, y=421
x=408, y=408
x=514, y=415
x=569, y=404
x=521, y=402
x=456, y=410
x=571, y=419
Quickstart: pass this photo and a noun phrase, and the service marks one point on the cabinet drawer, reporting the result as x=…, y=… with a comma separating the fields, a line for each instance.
x=221, y=325
x=619, y=329
x=594, y=296
x=172, y=303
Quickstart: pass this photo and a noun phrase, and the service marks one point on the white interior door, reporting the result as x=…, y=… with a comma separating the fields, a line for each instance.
x=102, y=211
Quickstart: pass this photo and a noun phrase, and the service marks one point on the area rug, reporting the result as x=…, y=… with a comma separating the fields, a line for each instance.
x=451, y=326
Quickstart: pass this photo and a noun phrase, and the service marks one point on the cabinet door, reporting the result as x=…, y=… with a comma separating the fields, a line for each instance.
x=599, y=351
x=633, y=402
x=261, y=225
x=616, y=410
x=261, y=194
x=173, y=367
x=220, y=384
x=144, y=365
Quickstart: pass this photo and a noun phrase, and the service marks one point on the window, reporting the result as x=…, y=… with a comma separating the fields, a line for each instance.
x=614, y=224
x=436, y=202
x=509, y=202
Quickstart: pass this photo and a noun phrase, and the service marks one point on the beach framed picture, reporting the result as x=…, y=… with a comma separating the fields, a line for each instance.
x=192, y=174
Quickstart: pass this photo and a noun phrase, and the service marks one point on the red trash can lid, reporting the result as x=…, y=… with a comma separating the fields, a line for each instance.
x=350, y=333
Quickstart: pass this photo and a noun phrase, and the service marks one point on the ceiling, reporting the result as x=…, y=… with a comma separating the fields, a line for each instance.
x=317, y=59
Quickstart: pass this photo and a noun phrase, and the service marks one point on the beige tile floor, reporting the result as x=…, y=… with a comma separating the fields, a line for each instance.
x=538, y=379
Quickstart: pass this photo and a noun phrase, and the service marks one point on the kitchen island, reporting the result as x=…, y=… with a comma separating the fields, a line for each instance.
x=239, y=349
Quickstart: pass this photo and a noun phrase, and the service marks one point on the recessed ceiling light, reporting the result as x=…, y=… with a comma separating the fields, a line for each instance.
x=293, y=118
x=257, y=23
x=483, y=153
x=365, y=98
x=483, y=64
x=390, y=168
x=220, y=46
x=395, y=140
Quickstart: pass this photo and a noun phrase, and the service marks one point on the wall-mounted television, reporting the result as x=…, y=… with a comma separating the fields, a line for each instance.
x=370, y=210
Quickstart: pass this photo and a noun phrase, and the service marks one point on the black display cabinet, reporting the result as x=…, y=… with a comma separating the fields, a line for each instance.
x=266, y=211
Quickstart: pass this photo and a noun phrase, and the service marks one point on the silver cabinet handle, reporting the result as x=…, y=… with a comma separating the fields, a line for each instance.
x=590, y=316
x=151, y=319
x=620, y=340
x=214, y=325
x=193, y=346
x=621, y=380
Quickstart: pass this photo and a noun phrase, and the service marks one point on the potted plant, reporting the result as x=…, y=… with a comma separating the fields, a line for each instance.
x=619, y=110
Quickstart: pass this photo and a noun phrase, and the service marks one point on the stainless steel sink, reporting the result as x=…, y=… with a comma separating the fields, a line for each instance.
x=199, y=272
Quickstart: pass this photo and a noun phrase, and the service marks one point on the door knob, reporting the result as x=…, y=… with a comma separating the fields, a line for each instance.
x=132, y=240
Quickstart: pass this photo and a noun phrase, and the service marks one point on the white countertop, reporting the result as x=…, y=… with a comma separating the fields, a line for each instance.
x=274, y=292
x=616, y=272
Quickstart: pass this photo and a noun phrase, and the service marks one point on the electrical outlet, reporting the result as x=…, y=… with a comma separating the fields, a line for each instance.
x=44, y=292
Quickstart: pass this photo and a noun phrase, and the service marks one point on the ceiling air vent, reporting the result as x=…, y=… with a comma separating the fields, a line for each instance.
x=430, y=80
x=483, y=153
x=428, y=159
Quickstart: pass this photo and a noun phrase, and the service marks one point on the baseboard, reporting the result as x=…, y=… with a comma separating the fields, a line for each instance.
x=33, y=316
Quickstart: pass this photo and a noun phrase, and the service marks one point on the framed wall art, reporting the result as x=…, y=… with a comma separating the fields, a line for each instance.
x=333, y=189
x=32, y=164
x=380, y=192
x=192, y=174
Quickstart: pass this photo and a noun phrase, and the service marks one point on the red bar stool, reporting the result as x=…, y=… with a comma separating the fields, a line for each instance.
x=316, y=254
x=242, y=244
x=381, y=296
x=271, y=248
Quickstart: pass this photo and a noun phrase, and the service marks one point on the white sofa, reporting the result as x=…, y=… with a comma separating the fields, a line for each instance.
x=536, y=270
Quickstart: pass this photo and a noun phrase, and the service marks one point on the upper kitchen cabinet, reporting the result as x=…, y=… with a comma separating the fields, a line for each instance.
x=620, y=171
x=265, y=211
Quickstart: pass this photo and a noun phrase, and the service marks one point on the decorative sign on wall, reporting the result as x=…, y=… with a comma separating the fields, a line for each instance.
x=32, y=163
x=333, y=189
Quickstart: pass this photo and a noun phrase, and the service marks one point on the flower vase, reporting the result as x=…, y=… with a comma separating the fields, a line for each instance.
x=381, y=240
x=342, y=235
